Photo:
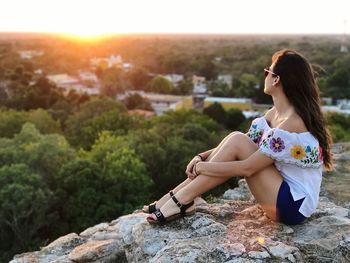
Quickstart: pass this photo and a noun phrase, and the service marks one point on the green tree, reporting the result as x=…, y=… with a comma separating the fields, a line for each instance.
x=93, y=117
x=184, y=87
x=124, y=174
x=139, y=78
x=11, y=122
x=159, y=84
x=234, y=119
x=219, y=89
x=136, y=101
x=339, y=125
x=24, y=206
x=173, y=139
x=114, y=81
x=216, y=112
x=247, y=86
x=338, y=83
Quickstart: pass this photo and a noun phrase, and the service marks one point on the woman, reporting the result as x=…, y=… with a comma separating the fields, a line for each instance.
x=280, y=157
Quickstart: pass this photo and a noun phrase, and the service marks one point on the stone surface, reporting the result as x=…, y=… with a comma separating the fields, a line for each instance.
x=242, y=192
x=98, y=251
x=227, y=231
x=63, y=244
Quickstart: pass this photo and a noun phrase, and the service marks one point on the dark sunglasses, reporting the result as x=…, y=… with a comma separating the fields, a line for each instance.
x=267, y=71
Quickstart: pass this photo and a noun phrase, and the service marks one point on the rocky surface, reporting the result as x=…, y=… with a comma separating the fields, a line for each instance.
x=228, y=231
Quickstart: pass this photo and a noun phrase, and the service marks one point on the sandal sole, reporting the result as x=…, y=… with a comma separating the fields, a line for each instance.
x=169, y=218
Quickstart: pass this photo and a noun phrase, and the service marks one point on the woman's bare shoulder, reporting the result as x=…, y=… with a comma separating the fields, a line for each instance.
x=293, y=124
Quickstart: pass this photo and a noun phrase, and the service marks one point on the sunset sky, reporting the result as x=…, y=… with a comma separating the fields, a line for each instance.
x=94, y=17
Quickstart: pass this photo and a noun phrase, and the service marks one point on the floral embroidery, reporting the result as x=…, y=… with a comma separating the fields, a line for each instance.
x=277, y=145
x=279, y=149
x=306, y=155
x=298, y=152
x=254, y=133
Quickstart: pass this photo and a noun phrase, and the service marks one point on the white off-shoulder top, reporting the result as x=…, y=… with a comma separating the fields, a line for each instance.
x=298, y=158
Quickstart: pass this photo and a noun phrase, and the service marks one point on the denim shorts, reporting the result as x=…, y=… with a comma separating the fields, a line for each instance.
x=287, y=208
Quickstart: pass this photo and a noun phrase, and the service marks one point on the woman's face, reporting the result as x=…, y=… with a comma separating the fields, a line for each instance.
x=270, y=80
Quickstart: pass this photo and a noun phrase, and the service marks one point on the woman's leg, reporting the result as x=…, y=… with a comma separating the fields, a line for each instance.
x=166, y=197
x=264, y=184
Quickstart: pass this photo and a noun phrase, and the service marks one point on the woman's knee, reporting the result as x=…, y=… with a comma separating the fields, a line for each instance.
x=238, y=139
x=240, y=145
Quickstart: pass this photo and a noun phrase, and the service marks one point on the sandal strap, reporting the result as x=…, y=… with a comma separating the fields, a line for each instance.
x=182, y=207
x=152, y=208
x=176, y=201
x=160, y=216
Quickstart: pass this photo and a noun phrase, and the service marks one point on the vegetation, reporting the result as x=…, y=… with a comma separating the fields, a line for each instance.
x=73, y=160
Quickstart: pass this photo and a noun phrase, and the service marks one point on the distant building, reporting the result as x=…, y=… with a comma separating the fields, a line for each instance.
x=226, y=79
x=29, y=54
x=68, y=83
x=174, y=78
x=62, y=80
x=38, y=71
x=111, y=61
x=159, y=102
x=80, y=88
x=88, y=76
x=338, y=109
x=243, y=104
x=127, y=66
x=197, y=80
x=343, y=48
x=199, y=92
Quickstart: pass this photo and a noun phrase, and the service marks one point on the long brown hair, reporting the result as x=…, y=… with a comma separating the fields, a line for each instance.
x=298, y=81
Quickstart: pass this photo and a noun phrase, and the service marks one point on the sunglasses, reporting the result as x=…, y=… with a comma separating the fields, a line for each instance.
x=267, y=71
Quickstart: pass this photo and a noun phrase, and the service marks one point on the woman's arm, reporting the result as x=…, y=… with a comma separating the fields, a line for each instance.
x=206, y=154
x=246, y=168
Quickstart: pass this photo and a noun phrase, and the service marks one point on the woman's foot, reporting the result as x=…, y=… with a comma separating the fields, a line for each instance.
x=151, y=208
x=171, y=210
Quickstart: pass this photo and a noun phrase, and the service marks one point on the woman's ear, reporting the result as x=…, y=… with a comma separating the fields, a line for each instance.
x=276, y=80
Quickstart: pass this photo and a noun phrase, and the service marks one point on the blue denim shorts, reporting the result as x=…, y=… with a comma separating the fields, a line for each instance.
x=287, y=208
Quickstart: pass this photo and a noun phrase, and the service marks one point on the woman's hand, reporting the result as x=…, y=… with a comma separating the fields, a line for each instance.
x=190, y=172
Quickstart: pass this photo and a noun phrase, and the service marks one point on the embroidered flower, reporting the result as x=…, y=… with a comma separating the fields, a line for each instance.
x=298, y=152
x=277, y=145
x=320, y=154
x=308, y=149
x=255, y=133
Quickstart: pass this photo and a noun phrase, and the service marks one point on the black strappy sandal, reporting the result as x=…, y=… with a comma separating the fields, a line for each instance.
x=152, y=207
x=161, y=219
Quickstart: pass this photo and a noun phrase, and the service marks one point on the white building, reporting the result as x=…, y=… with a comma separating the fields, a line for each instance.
x=29, y=54
x=160, y=102
x=38, y=71
x=174, y=78
x=127, y=66
x=226, y=79
x=199, y=85
x=62, y=80
x=341, y=108
x=68, y=83
x=113, y=60
x=88, y=76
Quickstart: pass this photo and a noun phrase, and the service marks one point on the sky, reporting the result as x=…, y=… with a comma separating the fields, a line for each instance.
x=95, y=17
